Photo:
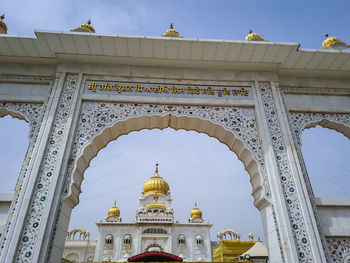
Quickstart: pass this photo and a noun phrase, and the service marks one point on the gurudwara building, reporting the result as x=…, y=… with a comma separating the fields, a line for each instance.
x=155, y=233
x=154, y=230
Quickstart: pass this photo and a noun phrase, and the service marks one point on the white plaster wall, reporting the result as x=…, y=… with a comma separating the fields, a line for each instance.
x=141, y=241
x=192, y=250
x=118, y=231
x=334, y=214
x=28, y=69
x=23, y=89
x=321, y=103
x=83, y=248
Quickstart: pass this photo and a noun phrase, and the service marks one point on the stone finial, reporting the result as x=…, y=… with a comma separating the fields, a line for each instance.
x=251, y=236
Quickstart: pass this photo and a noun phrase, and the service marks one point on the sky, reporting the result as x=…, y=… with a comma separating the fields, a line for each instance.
x=197, y=167
x=304, y=22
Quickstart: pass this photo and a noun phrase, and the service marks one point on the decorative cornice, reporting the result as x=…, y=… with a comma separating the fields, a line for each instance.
x=35, y=79
x=313, y=91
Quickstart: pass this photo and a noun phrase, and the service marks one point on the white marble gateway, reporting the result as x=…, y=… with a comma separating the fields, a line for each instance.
x=262, y=95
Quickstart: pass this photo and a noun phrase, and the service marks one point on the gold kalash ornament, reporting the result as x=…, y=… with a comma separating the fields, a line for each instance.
x=85, y=28
x=171, y=32
x=196, y=212
x=114, y=211
x=254, y=36
x=333, y=43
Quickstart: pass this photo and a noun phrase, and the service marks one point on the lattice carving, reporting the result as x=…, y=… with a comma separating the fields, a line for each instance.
x=34, y=216
x=95, y=117
x=33, y=114
x=339, y=249
x=287, y=182
x=300, y=121
x=30, y=112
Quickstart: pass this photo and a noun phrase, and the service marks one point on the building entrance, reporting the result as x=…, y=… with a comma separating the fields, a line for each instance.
x=77, y=102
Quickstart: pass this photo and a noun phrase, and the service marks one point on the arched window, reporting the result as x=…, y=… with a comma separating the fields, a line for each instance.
x=199, y=240
x=109, y=239
x=200, y=259
x=72, y=257
x=127, y=239
x=181, y=239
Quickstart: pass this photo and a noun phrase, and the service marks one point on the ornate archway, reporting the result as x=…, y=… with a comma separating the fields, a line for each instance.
x=75, y=126
x=336, y=247
x=101, y=123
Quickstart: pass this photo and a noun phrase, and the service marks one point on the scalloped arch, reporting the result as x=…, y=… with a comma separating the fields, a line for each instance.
x=29, y=112
x=335, y=121
x=161, y=121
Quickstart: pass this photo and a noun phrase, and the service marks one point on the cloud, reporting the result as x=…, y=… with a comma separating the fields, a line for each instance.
x=23, y=17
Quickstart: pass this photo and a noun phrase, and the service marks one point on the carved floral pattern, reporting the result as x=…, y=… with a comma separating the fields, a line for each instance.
x=31, y=229
x=286, y=178
x=95, y=117
x=300, y=120
x=278, y=232
x=30, y=112
x=33, y=114
x=339, y=249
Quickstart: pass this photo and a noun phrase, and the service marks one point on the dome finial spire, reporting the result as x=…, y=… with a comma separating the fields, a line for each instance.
x=156, y=184
x=2, y=17
x=86, y=28
x=254, y=36
x=333, y=43
x=196, y=212
x=171, y=32
x=114, y=211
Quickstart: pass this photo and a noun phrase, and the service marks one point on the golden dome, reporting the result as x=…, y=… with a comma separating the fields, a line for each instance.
x=156, y=184
x=155, y=205
x=333, y=42
x=114, y=211
x=196, y=212
x=3, y=26
x=254, y=37
x=171, y=32
x=86, y=28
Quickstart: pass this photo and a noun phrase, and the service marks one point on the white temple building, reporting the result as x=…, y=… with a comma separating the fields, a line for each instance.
x=154, y=230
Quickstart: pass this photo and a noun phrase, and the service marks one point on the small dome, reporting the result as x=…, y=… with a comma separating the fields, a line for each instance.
x=171, y=32
x=3, y=26
x=254, y=37
x=196, y=212
x=155, y=205
x=114, y=211
x=333, y=43
x=85, y=28
x=156, y=184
